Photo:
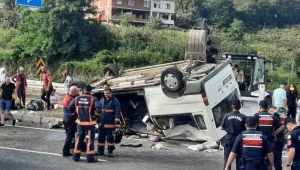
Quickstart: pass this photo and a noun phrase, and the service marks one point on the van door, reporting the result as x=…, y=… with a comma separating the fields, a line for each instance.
x=220, y=95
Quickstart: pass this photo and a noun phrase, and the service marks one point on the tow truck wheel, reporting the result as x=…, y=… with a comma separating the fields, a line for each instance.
x=204, y=69
x=112, y=69
x=79, y=84
x=171, y=79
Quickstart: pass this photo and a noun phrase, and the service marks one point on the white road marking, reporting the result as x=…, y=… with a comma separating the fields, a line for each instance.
x=45, y=153
x=26, y=127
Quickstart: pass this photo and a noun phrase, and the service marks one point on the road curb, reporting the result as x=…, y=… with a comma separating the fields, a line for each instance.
x=36, y=119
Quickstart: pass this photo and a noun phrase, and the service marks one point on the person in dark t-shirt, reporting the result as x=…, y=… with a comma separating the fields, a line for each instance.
x=7, y=90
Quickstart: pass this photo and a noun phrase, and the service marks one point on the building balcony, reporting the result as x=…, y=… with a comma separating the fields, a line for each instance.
x=133, y=18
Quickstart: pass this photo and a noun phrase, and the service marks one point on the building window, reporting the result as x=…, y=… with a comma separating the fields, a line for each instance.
x=118, y=1
x=154, y=5
x=131, y=2
x=103, y=12
x=147, y=4
x=167, y=6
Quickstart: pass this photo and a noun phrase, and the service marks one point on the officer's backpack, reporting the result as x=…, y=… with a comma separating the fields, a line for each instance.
x=35, y=105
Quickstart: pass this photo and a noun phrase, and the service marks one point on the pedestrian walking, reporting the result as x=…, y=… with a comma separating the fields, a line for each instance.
x=279, y=140
x=279, y=99
x=254, y=146
x=234, y=124
x=85, y=107
x=292, y=98
x=7, y=90
x=108, y=122
x=21, y=85
x=69, y=120
x=68, y=80
x=293, y=144
x=47, y=87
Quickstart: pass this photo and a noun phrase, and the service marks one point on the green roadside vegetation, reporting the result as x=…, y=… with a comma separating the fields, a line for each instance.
x=60, y=33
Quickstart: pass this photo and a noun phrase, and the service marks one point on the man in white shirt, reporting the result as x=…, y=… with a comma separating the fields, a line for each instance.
x=54, y=98
x=239, y=77
x=279, y=99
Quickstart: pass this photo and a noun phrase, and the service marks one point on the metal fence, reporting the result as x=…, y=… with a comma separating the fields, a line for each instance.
x=36, y=85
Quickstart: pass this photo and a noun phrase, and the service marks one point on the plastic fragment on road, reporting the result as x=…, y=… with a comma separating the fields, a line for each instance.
x=155, y=138
x=210, y=144
x=158, y=146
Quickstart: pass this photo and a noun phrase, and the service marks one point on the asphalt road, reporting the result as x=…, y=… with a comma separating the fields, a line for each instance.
x=32, y=147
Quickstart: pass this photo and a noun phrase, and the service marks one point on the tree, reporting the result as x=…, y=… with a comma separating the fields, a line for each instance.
x=59, y=31
x=125, y=19
x=236, y=31
x=154, y=23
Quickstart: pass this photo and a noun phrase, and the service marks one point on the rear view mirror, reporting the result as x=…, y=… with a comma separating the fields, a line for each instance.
x=274, y=67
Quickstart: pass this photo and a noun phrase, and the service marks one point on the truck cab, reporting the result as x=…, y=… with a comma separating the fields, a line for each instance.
x=253, y=89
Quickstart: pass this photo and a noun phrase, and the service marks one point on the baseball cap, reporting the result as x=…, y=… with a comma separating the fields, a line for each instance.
x=263, y=103
x=283, y=83
x=236, y=102
x=289, y=120
x=251, y=120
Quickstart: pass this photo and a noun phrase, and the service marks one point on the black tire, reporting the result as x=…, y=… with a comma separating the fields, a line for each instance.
x=79, y=84
x=112, y=69
x=176, y=75
x=204, y=69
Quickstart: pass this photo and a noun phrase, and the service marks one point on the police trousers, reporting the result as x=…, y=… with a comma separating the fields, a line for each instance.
x=252, y=167
x=277, y=152
x=106, y=133
x=70, y=127
x=80, y=136
x=228, y=144
x=295, y=166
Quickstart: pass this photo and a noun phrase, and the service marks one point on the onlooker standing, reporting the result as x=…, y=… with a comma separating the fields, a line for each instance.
x=21, y=84
x=68, y=80
x=7, y=90
x=279, y=99
x=47, y=86
x=240, y=77
x=54, y=98
x=292, y=97
x=2, y=75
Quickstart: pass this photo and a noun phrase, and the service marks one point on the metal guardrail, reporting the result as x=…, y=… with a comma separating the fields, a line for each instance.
x=36, y=85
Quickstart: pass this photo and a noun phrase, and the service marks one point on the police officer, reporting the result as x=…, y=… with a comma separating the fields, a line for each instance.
x=268, y=123
x=293, y=143
x=69, y=120
x=85, y=106
x=108, y=121
x=234, y=124
x=280, y=140
x=253, y=145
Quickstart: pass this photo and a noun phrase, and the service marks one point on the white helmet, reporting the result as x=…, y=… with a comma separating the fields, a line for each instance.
x=21, y=68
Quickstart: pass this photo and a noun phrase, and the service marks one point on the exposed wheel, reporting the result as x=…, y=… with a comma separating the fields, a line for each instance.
x=79, y=84
x=204, y=69
x=171, y=79
x=112, y=69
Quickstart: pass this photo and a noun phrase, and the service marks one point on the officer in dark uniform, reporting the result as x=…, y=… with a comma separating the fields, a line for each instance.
x=108, y=121
x=85, y=106
x=254, y=146
x=279, y=141
x=234, y=124
x=293, y=143
x=69, y=120
x=268, y=123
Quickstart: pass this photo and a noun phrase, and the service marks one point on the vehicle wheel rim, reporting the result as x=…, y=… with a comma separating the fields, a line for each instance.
x=171, y=81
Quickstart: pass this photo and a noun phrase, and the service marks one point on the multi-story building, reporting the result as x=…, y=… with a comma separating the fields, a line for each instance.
x=140, y=10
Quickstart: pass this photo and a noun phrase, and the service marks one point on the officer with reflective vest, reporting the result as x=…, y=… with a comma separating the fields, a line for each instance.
x=279, y=141
x=293, y=143
x=268, y=122
x=234, y=124
x=85, y=106
x=108, y=121
x=69, y=120
x=254, y=146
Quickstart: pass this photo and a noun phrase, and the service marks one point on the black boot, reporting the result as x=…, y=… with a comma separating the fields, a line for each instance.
x=110, y=153
x=100, y=150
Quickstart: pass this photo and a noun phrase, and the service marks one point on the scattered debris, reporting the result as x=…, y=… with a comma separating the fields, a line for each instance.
x=131, y=145
x=155, y=138
x=211, y=150
x=204, y=146
x=54, y=123
x=158, y=146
